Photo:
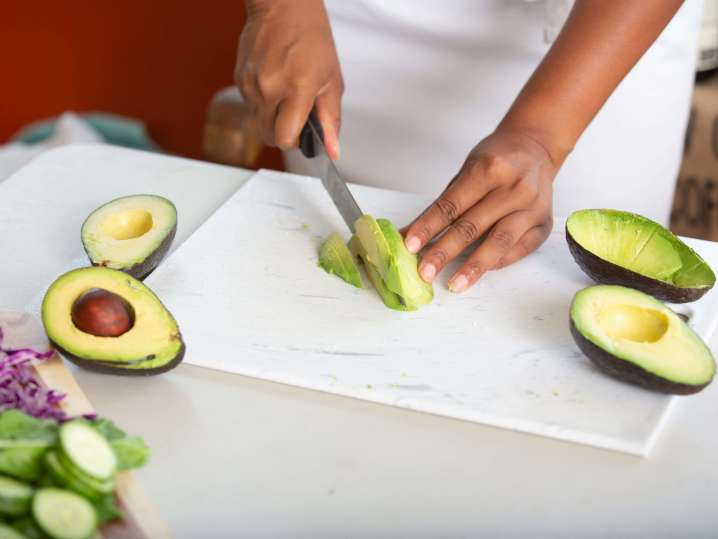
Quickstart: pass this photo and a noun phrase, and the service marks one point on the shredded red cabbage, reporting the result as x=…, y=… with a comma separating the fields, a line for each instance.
x=20, y=388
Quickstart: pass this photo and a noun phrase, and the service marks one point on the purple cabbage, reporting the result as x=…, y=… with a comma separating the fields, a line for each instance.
x=20, y=389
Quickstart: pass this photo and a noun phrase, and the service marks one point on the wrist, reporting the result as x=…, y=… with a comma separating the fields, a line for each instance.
x=558, y=143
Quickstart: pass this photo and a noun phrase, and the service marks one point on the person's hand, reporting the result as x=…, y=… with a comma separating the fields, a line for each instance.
x=286, y=64
x=503, y=194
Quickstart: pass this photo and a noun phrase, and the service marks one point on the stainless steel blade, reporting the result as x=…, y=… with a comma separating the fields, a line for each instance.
x=333, y=183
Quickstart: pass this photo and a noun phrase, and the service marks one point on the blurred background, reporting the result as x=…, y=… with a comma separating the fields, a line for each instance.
x=157, y=75
x=157, y=61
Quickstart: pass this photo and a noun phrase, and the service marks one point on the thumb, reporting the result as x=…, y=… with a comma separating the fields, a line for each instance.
x=329, y=111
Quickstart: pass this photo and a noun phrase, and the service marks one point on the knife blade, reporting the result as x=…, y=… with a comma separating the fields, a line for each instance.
x=311, y=143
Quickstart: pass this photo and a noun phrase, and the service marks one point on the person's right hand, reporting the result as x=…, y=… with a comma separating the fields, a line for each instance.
x=286, y=64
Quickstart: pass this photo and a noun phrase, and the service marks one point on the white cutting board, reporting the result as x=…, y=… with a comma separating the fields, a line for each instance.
x=250, y=299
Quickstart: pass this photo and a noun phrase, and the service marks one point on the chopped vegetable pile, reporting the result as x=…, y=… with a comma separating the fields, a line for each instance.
x=49, y=468
x=19, y=387
x=57, y=473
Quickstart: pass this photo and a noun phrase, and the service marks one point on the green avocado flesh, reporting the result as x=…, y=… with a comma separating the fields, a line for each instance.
x=634, y=337
x=390, y=266
x=390, y=299
x=153, y=344
x=641, y=246
x=131, y=234
x=335, y=258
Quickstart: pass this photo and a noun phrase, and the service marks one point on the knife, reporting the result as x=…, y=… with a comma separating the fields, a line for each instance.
x=311, y=143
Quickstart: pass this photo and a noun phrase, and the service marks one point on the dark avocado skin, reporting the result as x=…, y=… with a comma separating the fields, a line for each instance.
x=116, y=367
x=627, y=371
x=142, y=270
x=603, y=271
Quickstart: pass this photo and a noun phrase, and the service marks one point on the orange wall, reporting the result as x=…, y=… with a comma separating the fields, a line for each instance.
x=157, y=60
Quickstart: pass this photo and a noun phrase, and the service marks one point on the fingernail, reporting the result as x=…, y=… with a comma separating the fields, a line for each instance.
x=413, y=244
x=428, y=272
x=458, y=284
x=336, y=150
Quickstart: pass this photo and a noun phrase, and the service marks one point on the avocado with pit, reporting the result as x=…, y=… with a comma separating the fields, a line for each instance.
x=108, y=321
x=632, y=336
x=623, y=248
x=389, y=262
x=130, y=234
x=336, y=259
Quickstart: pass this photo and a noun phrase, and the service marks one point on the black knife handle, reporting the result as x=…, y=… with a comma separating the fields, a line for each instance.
x=306, y=141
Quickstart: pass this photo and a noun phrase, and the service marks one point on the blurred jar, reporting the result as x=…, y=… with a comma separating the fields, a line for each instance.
x=231, y=132
x=708, y=40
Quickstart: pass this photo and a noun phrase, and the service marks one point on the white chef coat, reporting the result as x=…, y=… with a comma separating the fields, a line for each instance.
x=427, y=79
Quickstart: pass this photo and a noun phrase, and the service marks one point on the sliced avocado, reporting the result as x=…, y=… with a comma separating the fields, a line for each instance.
x=335, y=258
x=618, y=247
x=152, y=345
x=390, y=299
x=397, y=267
x=403, y=275
x=635, y=338
x=130, y=234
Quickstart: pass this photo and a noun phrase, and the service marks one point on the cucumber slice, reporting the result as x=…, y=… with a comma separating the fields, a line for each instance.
x=15, y=497
x=62, y=514
x=105, y=487
x=6, y=532
x=65, y=478
x=27, y=528
x=88, y=450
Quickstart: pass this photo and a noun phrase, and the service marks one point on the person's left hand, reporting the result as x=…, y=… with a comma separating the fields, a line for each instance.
x=503, y=191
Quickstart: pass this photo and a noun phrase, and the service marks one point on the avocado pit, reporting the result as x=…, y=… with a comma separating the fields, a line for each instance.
x=102, y=313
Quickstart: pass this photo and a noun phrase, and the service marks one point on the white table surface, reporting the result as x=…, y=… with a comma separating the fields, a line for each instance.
x=238, y=457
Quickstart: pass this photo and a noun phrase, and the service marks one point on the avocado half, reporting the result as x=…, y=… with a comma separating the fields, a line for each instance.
x=623, y=248
x=151, y=346
x=634, y=337
x=130, y=234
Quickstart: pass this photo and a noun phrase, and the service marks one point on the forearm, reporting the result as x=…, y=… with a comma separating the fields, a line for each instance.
x=254, y=7
x=599, y=44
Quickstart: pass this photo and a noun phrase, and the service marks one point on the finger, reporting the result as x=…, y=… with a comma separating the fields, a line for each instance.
x=265, y=112
x=465, y=231
x=499, y=241
x=247, y=89
x=463, y=192
x=328, y=105
x=292, y=114
x=267, y=117
x=528, y=243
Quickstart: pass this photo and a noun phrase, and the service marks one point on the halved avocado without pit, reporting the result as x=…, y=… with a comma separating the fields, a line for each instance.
x=150, y=344
x=131, y=234
x=623, y=248
x=632, y=336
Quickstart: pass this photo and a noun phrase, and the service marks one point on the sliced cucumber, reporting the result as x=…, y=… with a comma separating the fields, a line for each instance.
x=65, y=478
x=27, y=528
x=15, y=497
x=62, y=514
x=88, y=450
x=105, y=487
x=6, y=532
